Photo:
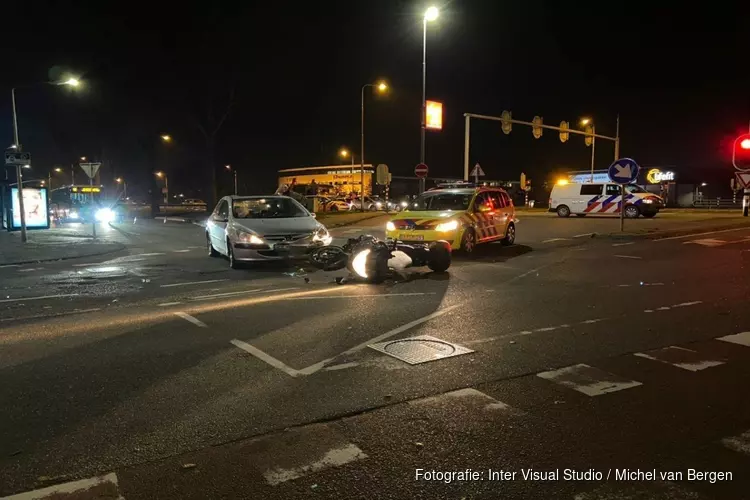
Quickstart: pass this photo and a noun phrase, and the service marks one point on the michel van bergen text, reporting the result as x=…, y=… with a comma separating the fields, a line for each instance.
x=571, y=475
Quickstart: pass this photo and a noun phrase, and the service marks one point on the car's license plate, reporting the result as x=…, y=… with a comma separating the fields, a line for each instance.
x=411, y=237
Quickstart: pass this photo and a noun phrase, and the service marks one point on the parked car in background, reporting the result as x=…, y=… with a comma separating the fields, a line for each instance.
x=326, y=204
x=193, y=201
x=371, y=204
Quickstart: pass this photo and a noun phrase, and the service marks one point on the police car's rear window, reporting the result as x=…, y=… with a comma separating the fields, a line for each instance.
x=442, y=201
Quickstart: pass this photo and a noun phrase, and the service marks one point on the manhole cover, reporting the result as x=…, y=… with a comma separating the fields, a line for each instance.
x=421, y=349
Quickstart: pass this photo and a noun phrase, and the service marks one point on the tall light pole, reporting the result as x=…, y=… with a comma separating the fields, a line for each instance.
x=234, y=171
x=430, y=15
x=381, y=87
x=163, y=175
x=72, y=82
x=120, y=180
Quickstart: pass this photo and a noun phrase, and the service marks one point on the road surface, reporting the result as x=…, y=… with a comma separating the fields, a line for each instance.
x=171, y=376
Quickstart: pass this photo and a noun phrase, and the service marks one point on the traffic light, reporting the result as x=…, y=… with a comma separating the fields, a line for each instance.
x=741, y=152
x=505, y=119
x=564, y=134
x=536, y=127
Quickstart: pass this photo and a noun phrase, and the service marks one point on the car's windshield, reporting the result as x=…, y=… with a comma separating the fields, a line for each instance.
x=632, y=188
x=266, y=208
x=442, y=201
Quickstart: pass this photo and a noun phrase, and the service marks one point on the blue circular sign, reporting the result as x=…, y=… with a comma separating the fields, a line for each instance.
x=623, y=171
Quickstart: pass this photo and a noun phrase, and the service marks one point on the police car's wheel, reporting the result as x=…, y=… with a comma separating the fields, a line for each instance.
x=563, y=211
x=211, y=250
x=469, y=242
x=510, y=235
x=334, y=208
x=632, y=212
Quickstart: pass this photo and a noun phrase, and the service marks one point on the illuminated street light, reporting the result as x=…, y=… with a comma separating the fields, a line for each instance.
x=381, y=86
x=234, y=172
x=58, y=170
x=166, y=138
x=119, y=180
x=161, y=175
x=431, y=14
x=585, y=121
x=83, y=158
x=72, y=82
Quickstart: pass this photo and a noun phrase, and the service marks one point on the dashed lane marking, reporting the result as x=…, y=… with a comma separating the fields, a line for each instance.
x=30, y=269
x=687, y=359
x=181, y=251
x=230, y=294
x=588, y=380
x=165, y=304
x=191, y=283
x=628, y=257
x=96, y=487
x=583, y=235
x=43, y=297
x=551, y=240
x=623, y=244
x=529, y=332
x=191, y=319
x=707, y=242
x=742, y=338
x=148, y=254
x=9, y=265
x=193, y=247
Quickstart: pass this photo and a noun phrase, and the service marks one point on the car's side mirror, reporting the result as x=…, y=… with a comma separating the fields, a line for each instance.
x=314, y=216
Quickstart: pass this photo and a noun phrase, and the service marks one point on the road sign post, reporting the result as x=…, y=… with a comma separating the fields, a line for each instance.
x=477, y=172
x=421, y=170
x=623, y=171
x=20, y=160
x=91, y=169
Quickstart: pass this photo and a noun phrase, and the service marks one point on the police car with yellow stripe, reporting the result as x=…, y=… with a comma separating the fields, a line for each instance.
x=462, y=214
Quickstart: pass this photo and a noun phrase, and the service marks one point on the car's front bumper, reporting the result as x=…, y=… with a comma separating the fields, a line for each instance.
x=278, y=251
x=416, y=236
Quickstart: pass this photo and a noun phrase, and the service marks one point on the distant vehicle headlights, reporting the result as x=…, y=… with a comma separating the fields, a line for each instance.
x=322, y=236
x=447, y=227
x=379, y=204
x=404, y=204
x=72, y=214
x=390, y=226
x=249, y=238
x=104, y=215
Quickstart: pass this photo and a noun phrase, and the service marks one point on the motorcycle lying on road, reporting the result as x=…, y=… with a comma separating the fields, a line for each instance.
x=373, y=260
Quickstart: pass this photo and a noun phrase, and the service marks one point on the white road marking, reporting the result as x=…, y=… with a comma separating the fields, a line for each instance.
x=628, y=257
x=30, y=269
x=191, y=319
x=742, y=338
x=555, y=239
x=686, y=304
x=663, y=308
x=410, y=294
x=225, y=294
x=592, y=321
x=193, y=247
x=137, y=272
x=546, y=329
x=191, y=283
x=165, y=304
x=583, y=235
x=342, y=366
x=740, y=444
x=79, y=488
x=680, y=357
x=266, y=358
x=40, y=298
x=181, y=251
x=9, y=265
x=623, y=244
x=588, y=380
x=707, y=242
x=472, y=399
x=624, y=285
x=321, y=364
x=147, y=254
x=648, y=311
x=332, y=458
x=53, y=315
x=702, y=234
x=91, y=264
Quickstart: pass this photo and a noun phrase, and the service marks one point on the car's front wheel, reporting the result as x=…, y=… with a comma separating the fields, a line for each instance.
x=334, y=208
x=233, y=264
x=563, y=211
x=211, y=250
x=510, y=235
x=469, y=242
x=632, y=212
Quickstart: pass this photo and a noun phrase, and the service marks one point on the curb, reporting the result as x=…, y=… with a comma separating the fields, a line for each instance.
x=120, y=247
x=667, y=233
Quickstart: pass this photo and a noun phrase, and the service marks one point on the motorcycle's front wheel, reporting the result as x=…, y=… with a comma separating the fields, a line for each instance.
x=329, y=258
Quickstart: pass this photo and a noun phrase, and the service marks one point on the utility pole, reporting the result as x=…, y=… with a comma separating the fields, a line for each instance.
x=19, y=174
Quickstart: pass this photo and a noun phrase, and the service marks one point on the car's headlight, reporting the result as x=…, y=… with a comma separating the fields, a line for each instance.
x=379, y=204
x=390, y=226
x=250, y=238
x=104, y=215
x=648, y=200
x=446, y=227
x=321, y=234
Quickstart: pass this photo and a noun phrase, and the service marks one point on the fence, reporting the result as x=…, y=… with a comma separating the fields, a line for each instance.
x=719, y=203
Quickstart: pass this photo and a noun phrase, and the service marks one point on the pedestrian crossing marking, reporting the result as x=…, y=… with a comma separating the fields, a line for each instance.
x=738, y=338
x=680, y=357
x=588, y=380
x=707, y=242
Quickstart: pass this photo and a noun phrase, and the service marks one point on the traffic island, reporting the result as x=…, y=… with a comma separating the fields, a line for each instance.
x=51, y=245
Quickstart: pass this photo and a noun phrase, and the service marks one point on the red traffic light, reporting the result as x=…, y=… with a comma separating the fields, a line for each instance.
x=741, y=152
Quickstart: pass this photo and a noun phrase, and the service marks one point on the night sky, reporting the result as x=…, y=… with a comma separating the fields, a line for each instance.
x=678, y=77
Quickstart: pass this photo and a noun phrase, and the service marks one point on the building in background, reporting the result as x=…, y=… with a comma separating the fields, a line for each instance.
x=331, y=180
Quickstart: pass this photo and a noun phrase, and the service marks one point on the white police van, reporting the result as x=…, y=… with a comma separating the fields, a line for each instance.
x=602, y=198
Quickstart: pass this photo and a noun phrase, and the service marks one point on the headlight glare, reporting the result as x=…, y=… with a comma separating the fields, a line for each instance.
x=390, y=226
x=359, y=263
x=446, y=227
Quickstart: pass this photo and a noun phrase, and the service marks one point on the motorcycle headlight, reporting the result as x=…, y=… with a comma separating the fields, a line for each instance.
x=390, y=226
x=250, y=238
x=104, y=215
x=359, y=263
x=321, y=235
x=447, y=227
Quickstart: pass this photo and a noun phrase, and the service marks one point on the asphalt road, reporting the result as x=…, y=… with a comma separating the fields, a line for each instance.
x=179, y=378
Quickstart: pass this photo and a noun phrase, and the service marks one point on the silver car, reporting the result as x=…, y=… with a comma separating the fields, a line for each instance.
x=262, y=228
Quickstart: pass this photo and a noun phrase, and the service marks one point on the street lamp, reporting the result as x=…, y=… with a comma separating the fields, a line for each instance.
x=166, y=138
x=120, y=180
x=229, y=167
x=163, y=175
x=83, y=158
x=430, y=14
x=381, y=87
x=585, y=122
x=17, y=147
